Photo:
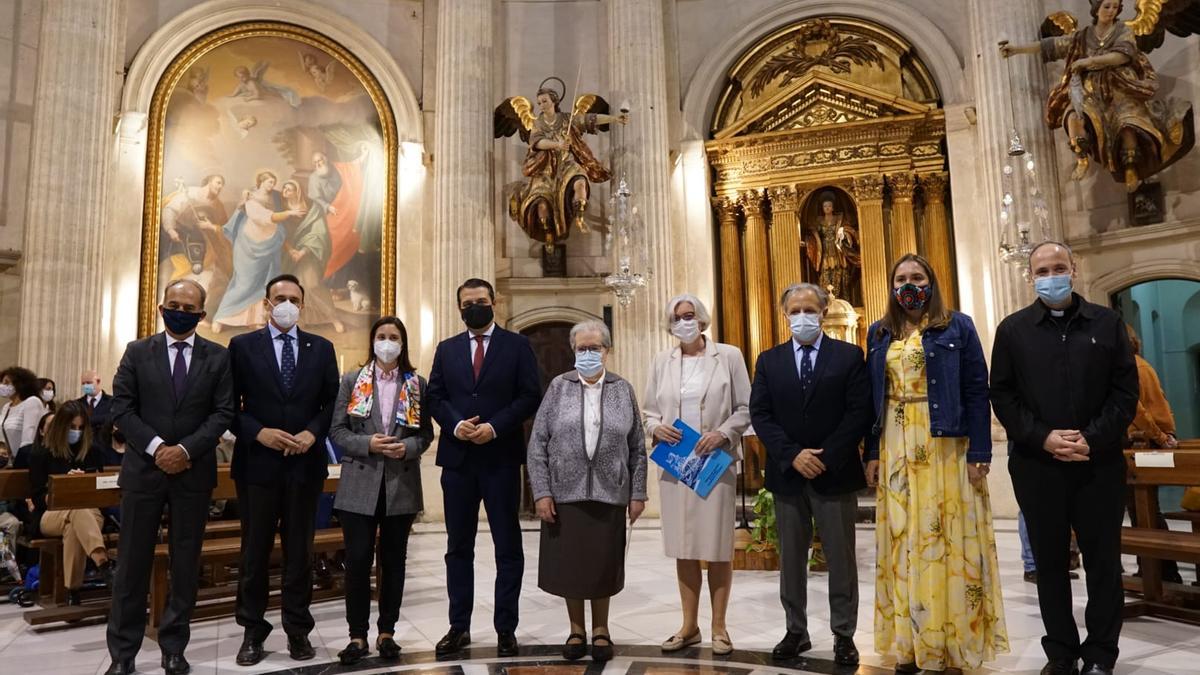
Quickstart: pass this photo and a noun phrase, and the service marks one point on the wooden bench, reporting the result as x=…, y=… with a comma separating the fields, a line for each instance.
x=1152, y=544
x=14, y=485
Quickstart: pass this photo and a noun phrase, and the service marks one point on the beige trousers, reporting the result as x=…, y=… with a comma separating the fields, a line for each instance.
x=80, y=532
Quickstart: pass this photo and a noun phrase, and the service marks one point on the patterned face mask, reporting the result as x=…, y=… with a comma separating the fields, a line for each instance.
x=912, y=296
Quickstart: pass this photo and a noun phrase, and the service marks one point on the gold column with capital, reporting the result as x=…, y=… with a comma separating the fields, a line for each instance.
x=786, y=253
x=733, y=321
x=868, y=192
x=757, y=264
x=904, y=220
x=937, y=235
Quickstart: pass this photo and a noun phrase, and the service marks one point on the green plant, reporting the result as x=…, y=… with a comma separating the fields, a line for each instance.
x=765, y=533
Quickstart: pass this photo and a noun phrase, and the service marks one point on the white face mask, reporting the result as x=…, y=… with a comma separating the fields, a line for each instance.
x=387, y=351
x=687, y=331
x=805, y=327
x=7, y=390
x=47, y=395
x=285, y=315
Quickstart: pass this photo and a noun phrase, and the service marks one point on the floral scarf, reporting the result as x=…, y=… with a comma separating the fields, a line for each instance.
x=408, y=403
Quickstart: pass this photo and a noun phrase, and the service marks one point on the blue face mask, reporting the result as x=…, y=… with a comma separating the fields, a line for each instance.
x=1053, y=290
x=589, y=364
x=73, y=436
x=89, y=389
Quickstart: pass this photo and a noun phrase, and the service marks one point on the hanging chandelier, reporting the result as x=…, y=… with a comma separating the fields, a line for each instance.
x=1023, y=204
x=625, y=224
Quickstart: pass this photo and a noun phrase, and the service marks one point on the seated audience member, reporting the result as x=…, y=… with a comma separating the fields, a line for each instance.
x=47, y=390
x=21, y=458
x=23, y=406
x=66, y=449
x=10, y=523
x=114, y=451
x=99, y=404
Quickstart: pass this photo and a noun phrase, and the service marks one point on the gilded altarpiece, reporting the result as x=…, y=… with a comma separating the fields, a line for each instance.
x=833, y=110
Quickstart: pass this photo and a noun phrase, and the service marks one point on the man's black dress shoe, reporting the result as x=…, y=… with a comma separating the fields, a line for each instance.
x=387, y=648
x=175, y=664
x=1095, y=669
x=506, y=644
x=125, y=667
x=452, y=643
x=353, y=653
x=1060, y=668
x=250, y=653
x=844, y=651
x=300, y=648
x=791, y=646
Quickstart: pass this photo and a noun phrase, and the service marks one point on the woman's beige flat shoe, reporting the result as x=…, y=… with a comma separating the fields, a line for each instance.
x=677, y=642
x=721, y=645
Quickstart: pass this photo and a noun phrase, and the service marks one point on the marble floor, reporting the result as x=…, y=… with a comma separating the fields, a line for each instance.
x=642, y=616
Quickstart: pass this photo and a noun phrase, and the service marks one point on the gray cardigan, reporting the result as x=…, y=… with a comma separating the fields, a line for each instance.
x=557, y=462
x=362, y=472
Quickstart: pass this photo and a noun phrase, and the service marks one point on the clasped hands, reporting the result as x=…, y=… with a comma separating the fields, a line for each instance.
x=808, y=463
x=471, y=430
x=1067, y=445
x=172, y=459
x=288, y=444
x=388, y=446
x=709, y=442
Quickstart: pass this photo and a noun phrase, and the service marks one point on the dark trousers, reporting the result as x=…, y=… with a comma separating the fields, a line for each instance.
x=1088, y=497
x=358, y=531
x=289, y=508
x=141, y=514
x=499, y=488
x=834, y=516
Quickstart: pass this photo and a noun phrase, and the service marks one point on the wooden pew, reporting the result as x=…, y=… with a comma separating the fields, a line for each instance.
x=1153, y=545
x=14, y=485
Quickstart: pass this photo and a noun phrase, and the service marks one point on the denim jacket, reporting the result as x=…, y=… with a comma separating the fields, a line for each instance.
x=957, y=379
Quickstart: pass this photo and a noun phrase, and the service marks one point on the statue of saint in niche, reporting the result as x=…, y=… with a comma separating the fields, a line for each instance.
x=832, y=243
x=559, y=164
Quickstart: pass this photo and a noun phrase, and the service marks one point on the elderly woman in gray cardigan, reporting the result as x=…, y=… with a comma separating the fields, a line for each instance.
x=382, y=425
x=587, y=465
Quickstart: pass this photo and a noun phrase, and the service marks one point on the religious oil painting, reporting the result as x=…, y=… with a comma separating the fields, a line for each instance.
x=271, y=151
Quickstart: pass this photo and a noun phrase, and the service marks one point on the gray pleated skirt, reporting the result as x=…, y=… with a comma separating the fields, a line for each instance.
x=582, y=555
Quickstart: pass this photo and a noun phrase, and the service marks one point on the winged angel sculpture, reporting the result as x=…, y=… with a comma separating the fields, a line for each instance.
x=1106, y=98
x=559, y=164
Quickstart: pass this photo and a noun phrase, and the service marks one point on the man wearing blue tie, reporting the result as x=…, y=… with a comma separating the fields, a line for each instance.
x=285, y=381
x=483, y=386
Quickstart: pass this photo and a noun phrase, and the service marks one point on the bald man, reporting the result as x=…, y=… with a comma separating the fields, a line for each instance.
x=100, y=405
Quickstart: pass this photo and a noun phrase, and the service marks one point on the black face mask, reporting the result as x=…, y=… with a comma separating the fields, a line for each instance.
x=477, y=316
x=180, y=322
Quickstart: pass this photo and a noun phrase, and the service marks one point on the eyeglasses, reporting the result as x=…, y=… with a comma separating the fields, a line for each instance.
x=584, y=350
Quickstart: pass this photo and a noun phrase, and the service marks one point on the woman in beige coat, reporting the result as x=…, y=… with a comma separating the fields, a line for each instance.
x=704, y=383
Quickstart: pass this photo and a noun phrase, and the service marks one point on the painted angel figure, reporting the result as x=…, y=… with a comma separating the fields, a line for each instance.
x=253, y=86
x=559, y=164
x=1106, y=98
x=322, y=76
x=197, y=83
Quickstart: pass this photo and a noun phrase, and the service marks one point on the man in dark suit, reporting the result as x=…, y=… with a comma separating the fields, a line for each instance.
x=173, y=399
x=483, y=387
x=100, y=405
x=810, y=404
x=285, y=381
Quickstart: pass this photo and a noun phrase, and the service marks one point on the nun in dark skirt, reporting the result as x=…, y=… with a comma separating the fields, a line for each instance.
x=587, y=467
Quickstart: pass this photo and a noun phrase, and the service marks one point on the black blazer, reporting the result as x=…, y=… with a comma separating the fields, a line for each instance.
x=508, y=393
x=834, y=415
x=144, y=406
x=263, y=403
x=99, y=421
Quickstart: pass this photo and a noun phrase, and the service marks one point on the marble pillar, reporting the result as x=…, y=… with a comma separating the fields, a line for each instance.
x=78, y=84
x=868, y=193
x=464, y=230
x=786, y=253
x=756, y=260
x=938, y=248
x=637, y=64
x=732, y=309
x=904, y=220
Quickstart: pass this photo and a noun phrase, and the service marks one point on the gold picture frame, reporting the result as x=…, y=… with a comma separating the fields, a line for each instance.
x=292, y=123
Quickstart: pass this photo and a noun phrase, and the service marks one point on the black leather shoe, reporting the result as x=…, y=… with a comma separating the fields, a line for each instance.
x=73, y=598
x=844, y=651
x=300, y=648
x=604, y=652
x=250, y=653
x=506, y=644
x=175, y=664
x=106, y=572
x=125, y=667
x=1095, y=669
x=573, y=651
x=791, y=646
x=387, y=648
x=452, y=643
x=1060, y=668
x=353, y=653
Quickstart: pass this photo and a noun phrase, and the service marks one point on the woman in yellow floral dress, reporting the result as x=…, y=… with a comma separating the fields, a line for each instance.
x=937, y=587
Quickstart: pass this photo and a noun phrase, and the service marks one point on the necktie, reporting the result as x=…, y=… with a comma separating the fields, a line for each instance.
x=806, y=369
x=477, y=362
x=92, y=399
x=287, y=362
x=179, y=370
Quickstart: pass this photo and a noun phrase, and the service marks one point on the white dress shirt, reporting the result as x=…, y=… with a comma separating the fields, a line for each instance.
x=95, y=399
x=592, y=414
x=187, y=361
x=812, y=357
x=487, y=341
x=277, y=344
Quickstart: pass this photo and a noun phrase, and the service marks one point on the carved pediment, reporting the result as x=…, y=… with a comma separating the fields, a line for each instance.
x=817, y=99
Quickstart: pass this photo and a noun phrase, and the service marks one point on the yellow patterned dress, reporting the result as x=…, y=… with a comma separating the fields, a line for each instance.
x=937, y=584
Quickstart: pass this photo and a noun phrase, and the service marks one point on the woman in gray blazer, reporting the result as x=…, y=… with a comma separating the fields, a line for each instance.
x=587, y=465
x=382, y=426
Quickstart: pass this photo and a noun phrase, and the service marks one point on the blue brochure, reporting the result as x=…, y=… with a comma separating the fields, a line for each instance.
x=682, y=462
